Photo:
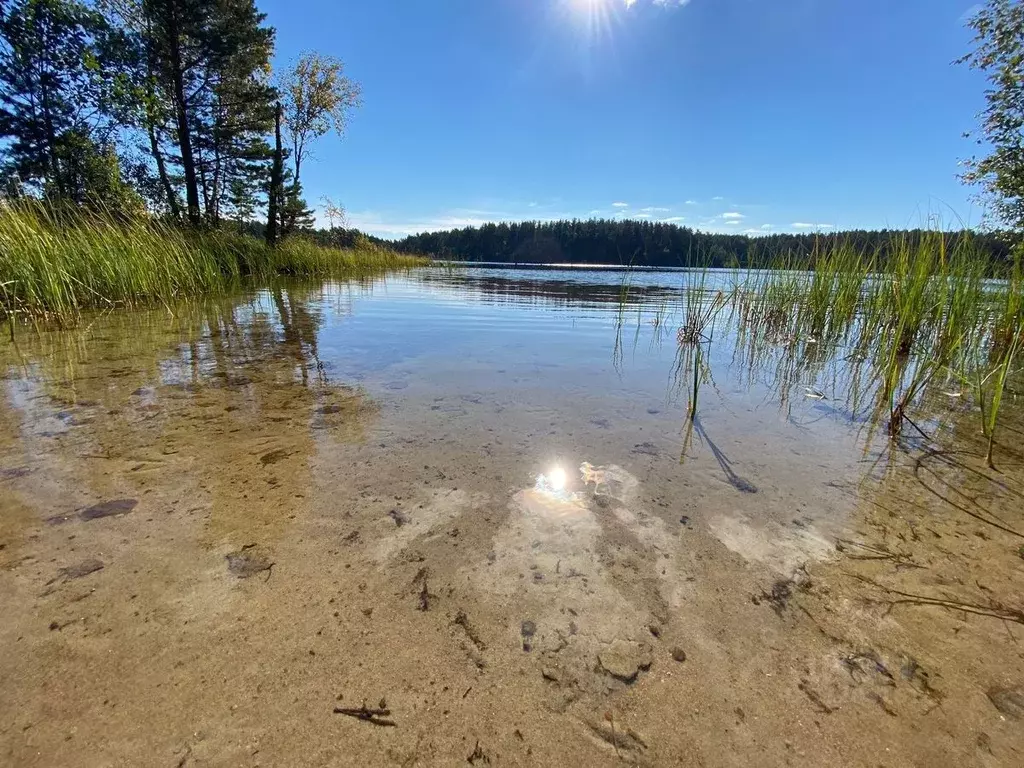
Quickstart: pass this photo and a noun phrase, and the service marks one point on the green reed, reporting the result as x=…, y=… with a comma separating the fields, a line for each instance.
x=993, y=372
x=888, y=324
x=56, y=261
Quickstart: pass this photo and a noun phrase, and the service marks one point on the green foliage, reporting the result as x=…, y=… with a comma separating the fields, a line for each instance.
x=999, y=54
x=886, y=338
x=196, y=87
x=53, y=89
x=646, y=243
x=58, y=261
x=929, y=310
x=91, y=176
x=316, y=97
x=296, y=216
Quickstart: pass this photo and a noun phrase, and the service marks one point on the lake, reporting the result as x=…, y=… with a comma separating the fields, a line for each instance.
x=461, y=514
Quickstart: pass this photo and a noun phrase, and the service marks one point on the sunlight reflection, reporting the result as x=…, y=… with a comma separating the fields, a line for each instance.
x=554, y=485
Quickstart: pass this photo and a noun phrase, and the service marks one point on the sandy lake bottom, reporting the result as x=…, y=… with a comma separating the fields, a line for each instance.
x=455, y=517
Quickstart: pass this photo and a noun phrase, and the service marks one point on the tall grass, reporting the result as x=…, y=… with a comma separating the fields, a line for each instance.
x=887, y=324
x=56, y=262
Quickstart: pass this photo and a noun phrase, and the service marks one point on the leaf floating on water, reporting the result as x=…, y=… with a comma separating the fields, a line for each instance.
x=814, y=394
x=108, y=509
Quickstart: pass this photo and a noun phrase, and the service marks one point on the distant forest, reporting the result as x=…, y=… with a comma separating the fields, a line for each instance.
x=644, y=243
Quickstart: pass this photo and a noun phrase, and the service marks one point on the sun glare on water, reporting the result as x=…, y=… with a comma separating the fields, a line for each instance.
x=557, y=478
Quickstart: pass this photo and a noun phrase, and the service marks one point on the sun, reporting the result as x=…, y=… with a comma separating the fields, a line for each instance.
x=594, y=17
x=592, y=8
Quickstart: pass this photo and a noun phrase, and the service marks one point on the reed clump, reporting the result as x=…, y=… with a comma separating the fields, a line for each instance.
x=55, y=262
x=890, y=324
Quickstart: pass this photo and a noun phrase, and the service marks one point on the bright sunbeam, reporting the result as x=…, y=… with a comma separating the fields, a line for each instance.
x=595, y=16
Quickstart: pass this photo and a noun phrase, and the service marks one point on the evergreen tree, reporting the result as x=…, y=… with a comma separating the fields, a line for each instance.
x=202, y=96
x=295, y=214
x=53, y=93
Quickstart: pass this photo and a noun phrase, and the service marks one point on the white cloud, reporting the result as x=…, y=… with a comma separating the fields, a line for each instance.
x=766, y=226
x=377, y=224
x=807, y=225
x=620, y=205
x=673, y=220
x=691, y=202
x=654, y=209
x=629, y=3
x=642, y=216
x=392, y=226
x=717, y=198
x=733, y=216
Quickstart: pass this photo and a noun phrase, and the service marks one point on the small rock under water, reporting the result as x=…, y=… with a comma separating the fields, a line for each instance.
x=79, y=570
x=273, y=457
x=108, y=509
x=248, y=561
x=624, y=660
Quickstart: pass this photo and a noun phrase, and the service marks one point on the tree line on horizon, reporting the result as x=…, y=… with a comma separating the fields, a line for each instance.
x=659, y=244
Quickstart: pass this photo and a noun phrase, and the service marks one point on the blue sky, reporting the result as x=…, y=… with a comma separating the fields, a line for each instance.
x=725, y=115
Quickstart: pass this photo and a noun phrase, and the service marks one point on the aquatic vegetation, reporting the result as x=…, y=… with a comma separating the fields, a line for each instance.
x=883, y=327
x=55, y=262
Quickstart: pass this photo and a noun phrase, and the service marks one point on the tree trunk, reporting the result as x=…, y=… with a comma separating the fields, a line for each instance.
x=151, y=128
x=53, y=171
x=203, y=186
x=215, y=186
x=188, y=163
x=161, y=169
x=276, y=180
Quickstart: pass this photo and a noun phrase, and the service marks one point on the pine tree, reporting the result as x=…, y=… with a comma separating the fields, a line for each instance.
x=53, y=91
x=295, y=213
x=202, y=96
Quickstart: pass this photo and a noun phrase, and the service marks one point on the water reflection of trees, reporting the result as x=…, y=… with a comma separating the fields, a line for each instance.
x=539, y=289
x=197, y=397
